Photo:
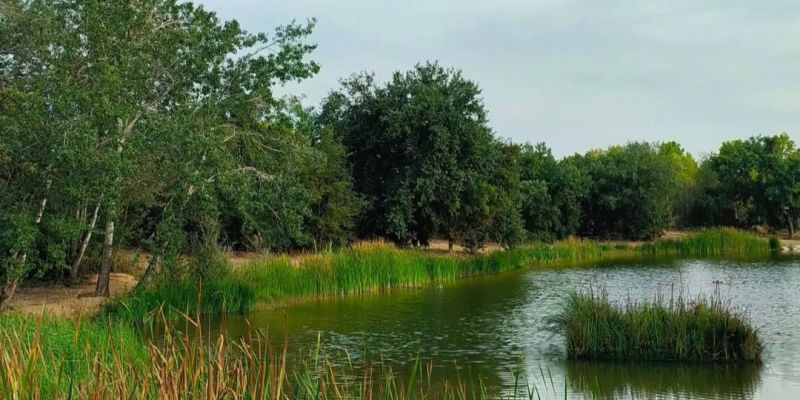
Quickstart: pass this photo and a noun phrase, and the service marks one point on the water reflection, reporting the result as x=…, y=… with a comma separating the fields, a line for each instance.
x=492, y=326
x=649, y=380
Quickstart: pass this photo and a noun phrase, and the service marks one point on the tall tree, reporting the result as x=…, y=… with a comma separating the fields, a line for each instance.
x=421, y=152
x=552, y=194
x=631, y=192
x=760, y=178
x=126, y=84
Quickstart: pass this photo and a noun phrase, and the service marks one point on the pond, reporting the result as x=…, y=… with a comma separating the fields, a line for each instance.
x=493, y=326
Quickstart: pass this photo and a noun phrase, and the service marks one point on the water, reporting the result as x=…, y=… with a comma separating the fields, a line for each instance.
x=491, y=326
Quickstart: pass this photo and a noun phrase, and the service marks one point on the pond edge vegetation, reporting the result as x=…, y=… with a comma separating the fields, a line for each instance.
x=675, y=329
x=48, y=357
x=379, y=266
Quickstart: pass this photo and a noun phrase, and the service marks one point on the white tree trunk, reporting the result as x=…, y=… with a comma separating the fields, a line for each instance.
x=104, y=276
x=87, y=238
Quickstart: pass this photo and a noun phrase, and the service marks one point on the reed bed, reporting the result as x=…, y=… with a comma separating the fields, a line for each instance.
x=196, y=366
x=41, y=356
x=713, y=242
x=705, y=329
x=380, y=266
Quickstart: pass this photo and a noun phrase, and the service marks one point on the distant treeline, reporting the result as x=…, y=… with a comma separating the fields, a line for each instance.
x=153, y=125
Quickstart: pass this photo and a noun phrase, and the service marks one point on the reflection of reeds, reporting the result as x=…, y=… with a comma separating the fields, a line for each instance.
x=648, y=380
x=45, y=358
x=379, y=266
x=676, y=329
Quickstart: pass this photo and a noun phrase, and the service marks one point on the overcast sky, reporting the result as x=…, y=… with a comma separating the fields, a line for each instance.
x=574, y=74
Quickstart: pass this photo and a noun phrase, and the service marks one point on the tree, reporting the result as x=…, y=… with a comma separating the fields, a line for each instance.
x=631, y=192
x=552, y=192
x=421, y=152
x=160, y=110
x=760, y=178
x=686, y=169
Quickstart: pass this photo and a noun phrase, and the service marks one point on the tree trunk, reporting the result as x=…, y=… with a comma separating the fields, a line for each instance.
x=7, y=292
x=791, y=227
x=450, y=245
x=104, y=276
x=87, y=238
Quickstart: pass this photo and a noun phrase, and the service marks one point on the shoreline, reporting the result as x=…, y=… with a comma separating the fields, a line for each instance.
x=63, y=301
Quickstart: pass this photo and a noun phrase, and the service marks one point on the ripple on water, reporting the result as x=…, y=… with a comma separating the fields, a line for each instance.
x=493, y=325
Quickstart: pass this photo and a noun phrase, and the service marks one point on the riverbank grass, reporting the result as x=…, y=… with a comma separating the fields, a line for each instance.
x=43, y=355
x=713, y=243
x=706, y=329
x=378, y=266
x=45, y=358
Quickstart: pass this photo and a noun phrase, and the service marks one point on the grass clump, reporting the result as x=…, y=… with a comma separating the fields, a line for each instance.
x=706, y=329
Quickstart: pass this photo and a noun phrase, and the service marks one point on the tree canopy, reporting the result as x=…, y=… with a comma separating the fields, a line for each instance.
x=154, y=125
x=422, y=155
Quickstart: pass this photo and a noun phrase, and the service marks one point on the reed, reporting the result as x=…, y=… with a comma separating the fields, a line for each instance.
x=45, y=355
x=713, y=242
x=380, y=266
x=706, y=329
x=197, y=366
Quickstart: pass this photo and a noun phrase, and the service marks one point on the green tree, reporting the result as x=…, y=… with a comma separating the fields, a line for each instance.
x=686, y=170
x=552, y=193
x=759, y=179
x=631, y=192
x=421, y=152
x=152, y=109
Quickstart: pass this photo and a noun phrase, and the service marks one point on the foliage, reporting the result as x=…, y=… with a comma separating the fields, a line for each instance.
x=162, y=118
x=422, y=155
x=631, y=192
x=335, y=205
x=756, y=181
x=552, y=194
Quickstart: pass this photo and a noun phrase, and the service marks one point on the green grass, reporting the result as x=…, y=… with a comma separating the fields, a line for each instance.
x=713, y=242
x=49, y=355
x=378, y=266
x=706, y=329
x=44, y=358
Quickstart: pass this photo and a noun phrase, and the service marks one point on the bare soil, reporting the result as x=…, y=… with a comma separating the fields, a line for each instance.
x=69, y=301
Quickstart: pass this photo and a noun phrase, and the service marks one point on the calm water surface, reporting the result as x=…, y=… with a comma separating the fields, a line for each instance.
x=494, y=325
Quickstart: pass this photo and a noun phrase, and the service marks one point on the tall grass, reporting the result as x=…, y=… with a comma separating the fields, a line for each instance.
x=45, y=355
x=380, y=266
x=706, y=329
x=199, y=367
x=713, y=242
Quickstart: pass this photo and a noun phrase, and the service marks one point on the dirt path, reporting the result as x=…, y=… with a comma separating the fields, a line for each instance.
x=63, y=301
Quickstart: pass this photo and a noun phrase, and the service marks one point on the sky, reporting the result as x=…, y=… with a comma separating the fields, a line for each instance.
x=577, y=75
